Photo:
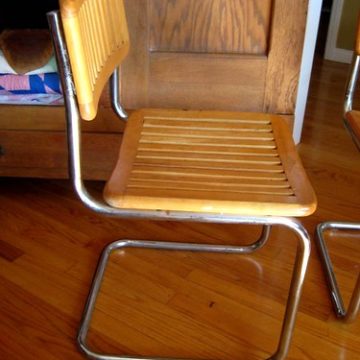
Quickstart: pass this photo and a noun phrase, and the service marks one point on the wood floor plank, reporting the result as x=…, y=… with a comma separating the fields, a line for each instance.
x=31, y=329
x=8, y=251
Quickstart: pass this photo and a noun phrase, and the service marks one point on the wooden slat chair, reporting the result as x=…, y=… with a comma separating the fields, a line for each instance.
x=219, y=167
x=352, y=123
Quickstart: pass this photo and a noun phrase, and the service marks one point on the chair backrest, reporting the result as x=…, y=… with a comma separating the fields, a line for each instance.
x=97, y=39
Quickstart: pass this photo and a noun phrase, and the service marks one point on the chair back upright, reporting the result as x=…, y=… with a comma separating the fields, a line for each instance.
x=97, y=39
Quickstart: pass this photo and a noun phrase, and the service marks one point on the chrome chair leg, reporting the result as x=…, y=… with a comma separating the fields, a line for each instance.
x=350, y=314
x=298, y=276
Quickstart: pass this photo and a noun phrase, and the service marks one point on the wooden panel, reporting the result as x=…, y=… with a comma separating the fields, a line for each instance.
x=286, y=44
x=210, y=26
x=44, y=154
x=187, y=80
x=160, y=27
x=135, y=68
x=215, y=82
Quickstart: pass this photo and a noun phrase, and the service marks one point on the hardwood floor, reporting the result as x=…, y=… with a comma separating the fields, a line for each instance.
x=179, y=304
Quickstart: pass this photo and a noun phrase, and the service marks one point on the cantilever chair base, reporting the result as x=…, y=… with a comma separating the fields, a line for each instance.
x=298, y=275
x=350, y=314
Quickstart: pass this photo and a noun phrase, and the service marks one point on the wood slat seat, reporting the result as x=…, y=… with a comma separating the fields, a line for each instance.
x=216, y=162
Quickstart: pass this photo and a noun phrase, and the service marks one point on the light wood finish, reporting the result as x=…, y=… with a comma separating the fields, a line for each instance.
x=357, y=40
x=353, y=120
x=249, y=60
x=218, y=162
x=95, y=46
x=202, y=306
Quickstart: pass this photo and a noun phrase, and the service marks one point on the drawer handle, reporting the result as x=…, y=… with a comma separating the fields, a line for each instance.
x=2, y=151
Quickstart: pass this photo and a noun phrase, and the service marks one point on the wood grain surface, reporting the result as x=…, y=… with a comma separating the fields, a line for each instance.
x=179, y=304
x=210, y=26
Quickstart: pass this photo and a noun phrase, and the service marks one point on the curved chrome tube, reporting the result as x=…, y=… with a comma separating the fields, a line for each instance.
x=349, y=96
x=351, y=84
x=116, y=96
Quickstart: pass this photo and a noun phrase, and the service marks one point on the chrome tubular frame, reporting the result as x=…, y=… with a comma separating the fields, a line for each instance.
x=349, y=95
x=74, y=144
x=115, y=94
x=351, y=84
x=354, y=306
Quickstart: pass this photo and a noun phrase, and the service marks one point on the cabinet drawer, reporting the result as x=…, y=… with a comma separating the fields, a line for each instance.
x=44, y=154
x=52, y=118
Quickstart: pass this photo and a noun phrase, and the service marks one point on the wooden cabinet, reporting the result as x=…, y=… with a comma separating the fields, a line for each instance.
x=210, y=54
x=33, y=142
